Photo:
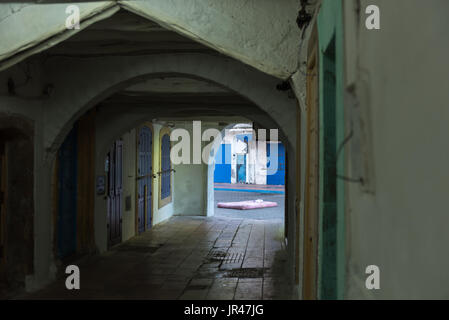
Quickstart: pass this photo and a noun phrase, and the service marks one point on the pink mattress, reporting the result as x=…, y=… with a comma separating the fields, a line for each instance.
x=247, y=205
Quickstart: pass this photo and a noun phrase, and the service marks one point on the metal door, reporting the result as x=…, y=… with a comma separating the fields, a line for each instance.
x=144, y=178
x=115, y=191
x=165, y=167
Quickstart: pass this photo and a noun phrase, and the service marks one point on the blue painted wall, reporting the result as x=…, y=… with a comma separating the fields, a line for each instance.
x=222, y=173
x=279, y=177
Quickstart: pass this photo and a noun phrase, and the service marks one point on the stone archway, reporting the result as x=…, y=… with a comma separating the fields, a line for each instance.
x=81, y=84
x=85, y=82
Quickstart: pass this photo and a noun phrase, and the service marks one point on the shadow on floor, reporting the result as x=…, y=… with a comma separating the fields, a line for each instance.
x=194, y=258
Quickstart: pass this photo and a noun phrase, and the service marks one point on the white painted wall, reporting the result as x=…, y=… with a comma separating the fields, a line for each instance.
x=401, y=223
x=260, y=162
x=192, y=180
x=256, y=32
x=129, y=184
x=26, y=28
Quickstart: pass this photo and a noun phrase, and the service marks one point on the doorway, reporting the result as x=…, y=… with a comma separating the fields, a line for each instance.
x=67, y=191
x=329, y=170
x=115, y=191
x=144, y=178
x=241, y=168
x=241, y=176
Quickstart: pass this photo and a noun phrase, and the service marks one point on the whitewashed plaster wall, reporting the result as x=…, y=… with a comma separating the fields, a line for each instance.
x=399, y=220
x=129, y=184
x=191, y=182
x=261, y=33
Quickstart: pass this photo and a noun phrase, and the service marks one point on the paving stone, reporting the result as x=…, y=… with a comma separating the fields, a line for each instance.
x=183, y=266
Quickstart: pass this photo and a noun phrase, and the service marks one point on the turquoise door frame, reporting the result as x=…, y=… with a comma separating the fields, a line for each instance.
x=328, y=201
x=331, y=251
x=241, y=168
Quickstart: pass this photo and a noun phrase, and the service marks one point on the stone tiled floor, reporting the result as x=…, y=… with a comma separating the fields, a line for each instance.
x=188, y=258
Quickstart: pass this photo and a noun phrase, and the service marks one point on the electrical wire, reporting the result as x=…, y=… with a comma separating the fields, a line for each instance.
x=340, y=149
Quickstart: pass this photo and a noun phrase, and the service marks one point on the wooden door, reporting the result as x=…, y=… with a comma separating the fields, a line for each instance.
x=311, y=196
x=144, y=179
x=115, y=190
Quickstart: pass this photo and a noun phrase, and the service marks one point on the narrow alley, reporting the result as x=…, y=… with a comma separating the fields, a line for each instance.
x=188, y=258
x=228, y=150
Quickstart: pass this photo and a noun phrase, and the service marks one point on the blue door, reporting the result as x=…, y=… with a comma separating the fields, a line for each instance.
x=222, y=173
x=241, y=168
x=67, y=190
x=144, y=178
x=277, y=178
x=165, y=167
x=115, y=183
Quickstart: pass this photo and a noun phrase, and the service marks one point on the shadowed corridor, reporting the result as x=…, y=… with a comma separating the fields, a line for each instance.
x=187, y=258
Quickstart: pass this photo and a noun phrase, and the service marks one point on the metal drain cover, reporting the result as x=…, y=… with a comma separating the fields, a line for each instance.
x=246, y=273
x=225, y=257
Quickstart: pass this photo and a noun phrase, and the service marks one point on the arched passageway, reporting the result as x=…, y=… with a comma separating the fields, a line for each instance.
x=96, y=193
x=118, y=120
x=241, y=169
x=360, y=154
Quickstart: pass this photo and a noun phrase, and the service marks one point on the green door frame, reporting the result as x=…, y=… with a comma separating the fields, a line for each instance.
x=331, y=250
